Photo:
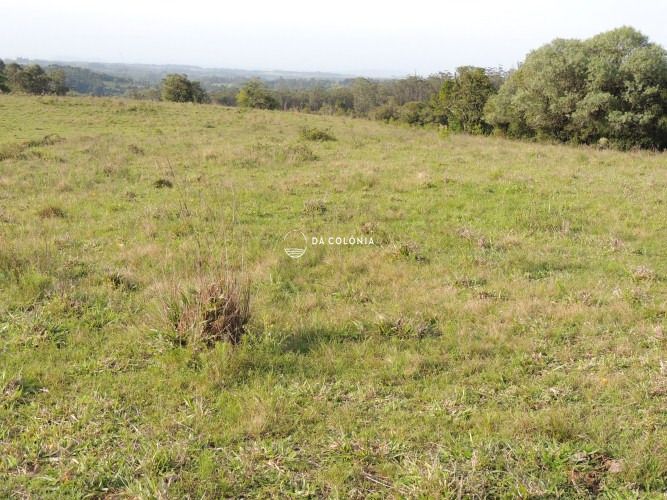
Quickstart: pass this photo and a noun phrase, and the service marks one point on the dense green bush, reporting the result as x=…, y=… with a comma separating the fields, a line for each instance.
x=316, y=134
x=387, y=112
x=31, y=79
x=255, y=94
x=612, y=86
x=178, y=88
x=462, y=99
x=414, y=113
x=3, y=78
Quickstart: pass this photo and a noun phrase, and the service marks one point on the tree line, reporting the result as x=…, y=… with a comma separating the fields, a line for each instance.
x=31, y=79
x=609, y=90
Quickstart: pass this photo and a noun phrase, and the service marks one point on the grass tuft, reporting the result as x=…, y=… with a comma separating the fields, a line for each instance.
x=217, y=312
x=163, y=183
x=16, y=151
x=52, y=212
x=407, y=328
x=317, y=134
x=314, y=207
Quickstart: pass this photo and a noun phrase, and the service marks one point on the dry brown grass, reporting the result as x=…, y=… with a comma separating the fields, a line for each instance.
x=51, y=212
x=218, y=311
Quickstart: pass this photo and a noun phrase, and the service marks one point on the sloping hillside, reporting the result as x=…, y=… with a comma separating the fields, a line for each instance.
x=504, y=334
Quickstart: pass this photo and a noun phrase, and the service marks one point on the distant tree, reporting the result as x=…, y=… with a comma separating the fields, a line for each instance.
x=287, y=98
x=414, y=113
x=225, y=96
x=144, y=93
x=462, y=99
x=85, y=81
x=199, y=95
x=366, y=95
x=341, y=99
x=29, y=79
x=178, y=88
x=386, y=112
x=410, y=89
x=12, y=72
x=497, y=76
x=3, y=78
x=57, y=82
x=255, y=94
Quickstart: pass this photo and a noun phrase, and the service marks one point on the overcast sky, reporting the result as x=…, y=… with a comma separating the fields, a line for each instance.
x=377, y=38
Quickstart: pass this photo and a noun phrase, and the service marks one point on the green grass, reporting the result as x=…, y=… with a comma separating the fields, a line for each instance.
x=505, y=336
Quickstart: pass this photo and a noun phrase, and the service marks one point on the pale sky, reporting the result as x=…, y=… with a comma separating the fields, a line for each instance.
x=377, y=38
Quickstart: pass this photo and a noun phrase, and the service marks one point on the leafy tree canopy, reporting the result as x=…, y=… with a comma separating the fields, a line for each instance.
x=462, y=99
x=612, y=86
x=255, y=94
x=178, y=88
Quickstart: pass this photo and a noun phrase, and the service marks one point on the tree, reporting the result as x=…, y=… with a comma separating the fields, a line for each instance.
x=365, y=93
x=341, y=99
x=199, y=95
x=626, y=97
x=177, y=88
x=612, y=86
x=3, y=78
x=57, y=82
x=30, y=79
x=254, y=94
x=414, y=113
x=225, y=95
x=462, y=99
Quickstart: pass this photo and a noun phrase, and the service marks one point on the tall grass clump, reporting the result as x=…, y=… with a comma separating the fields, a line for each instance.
x=17, y=150
x=217, y=311
x=316, y=134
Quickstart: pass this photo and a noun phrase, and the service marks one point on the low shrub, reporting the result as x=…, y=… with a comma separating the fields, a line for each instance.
x=316, y=134
x=298, y=153
x=52, y=212
x=314, y=207
x=163, y=183
x=408, y=328
x=216, y=312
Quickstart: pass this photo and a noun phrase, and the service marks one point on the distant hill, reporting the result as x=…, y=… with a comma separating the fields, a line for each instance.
x=85, y=81
x=151, y=74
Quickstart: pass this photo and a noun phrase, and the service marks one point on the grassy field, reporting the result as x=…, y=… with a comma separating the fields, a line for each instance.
x=505, y=335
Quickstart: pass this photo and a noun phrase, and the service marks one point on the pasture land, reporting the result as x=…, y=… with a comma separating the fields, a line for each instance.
x=505, y=335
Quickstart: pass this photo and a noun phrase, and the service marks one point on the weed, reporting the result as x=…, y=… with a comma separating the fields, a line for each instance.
x=216, y=312
x=409, y=250
x=405, y=328
x=52, y=212
x=123, y=281
x=643, y=273
x=314, y=207
x=317, y=134
x=16, y=150
x=298, y=153
x=135, y=150
x=163, y=183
